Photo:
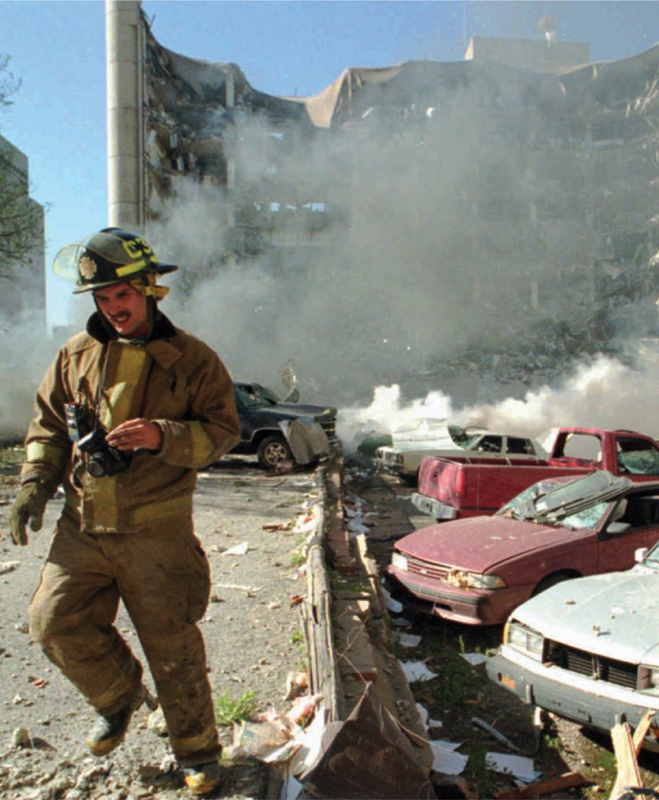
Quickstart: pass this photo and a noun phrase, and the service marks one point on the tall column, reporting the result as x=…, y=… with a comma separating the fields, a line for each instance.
x=125, y=124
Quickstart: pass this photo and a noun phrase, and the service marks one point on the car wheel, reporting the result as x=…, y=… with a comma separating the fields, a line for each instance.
x=552, y=580
x=272, y=450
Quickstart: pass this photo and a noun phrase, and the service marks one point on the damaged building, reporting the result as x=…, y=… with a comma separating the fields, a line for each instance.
x=534, y=181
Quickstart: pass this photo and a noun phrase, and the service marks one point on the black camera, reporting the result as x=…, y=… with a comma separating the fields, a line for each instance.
x=102, y=459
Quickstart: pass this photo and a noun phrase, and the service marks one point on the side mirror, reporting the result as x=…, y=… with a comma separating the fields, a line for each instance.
x=618, y=528
x=640, y=554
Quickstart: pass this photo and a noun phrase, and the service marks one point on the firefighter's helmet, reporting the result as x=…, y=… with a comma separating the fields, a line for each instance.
x=106, y=258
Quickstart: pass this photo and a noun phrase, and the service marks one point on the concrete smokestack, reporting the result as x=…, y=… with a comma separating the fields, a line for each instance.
x=125, y=44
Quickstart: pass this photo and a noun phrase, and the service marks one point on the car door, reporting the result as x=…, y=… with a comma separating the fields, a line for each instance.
x=616, y=547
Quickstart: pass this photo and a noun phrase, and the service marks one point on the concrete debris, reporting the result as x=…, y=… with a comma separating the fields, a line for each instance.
x=156, y=723
x=20, y=737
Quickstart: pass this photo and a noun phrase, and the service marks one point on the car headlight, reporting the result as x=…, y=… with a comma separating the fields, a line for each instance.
x=477, y=581
x=399, y=561
x=523, y=638
x=474, y=580
x=648, y=679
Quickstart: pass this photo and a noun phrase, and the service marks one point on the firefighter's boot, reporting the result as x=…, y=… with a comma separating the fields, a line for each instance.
x=203, y=778
x=110, y=730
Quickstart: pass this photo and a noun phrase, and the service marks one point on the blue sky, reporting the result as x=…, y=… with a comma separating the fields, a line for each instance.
x=57, y=50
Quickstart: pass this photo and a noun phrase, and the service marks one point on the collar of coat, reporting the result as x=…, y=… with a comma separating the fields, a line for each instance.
x=158, y=345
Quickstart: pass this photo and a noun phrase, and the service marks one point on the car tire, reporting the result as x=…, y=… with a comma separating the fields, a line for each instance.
x=552, y=580
x=272, y=450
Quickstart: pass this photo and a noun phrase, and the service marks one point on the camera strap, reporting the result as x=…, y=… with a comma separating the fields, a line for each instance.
x=99, y=386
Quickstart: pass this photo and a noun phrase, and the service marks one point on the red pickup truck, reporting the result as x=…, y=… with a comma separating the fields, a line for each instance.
x=449, y=489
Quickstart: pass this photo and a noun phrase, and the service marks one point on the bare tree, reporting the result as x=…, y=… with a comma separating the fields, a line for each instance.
x=20, y=216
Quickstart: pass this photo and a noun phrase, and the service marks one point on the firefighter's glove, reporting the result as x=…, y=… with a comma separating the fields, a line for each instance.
x=28, y=506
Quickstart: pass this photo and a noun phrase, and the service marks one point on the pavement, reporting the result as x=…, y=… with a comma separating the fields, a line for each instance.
x=246, y=520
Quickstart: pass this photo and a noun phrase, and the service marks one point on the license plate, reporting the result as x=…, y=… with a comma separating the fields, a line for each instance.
x=508, y=681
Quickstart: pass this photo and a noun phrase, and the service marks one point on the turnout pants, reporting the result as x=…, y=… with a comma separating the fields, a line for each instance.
x=163, y=578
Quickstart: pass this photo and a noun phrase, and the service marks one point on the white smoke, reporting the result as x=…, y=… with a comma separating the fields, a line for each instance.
x=25, y=355
x=605, y=394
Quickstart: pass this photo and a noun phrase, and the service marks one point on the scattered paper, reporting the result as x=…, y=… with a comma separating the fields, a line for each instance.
x=446, y=760
x=446, y=745
x=409, y=639
x=416, y=671
x=238, y=550
x=426, y=719
x=519, y=766
x=392, y=605
x=8, y=566
x=305, y=524
x=474, y=658
x=310, y=740
x=356, y=527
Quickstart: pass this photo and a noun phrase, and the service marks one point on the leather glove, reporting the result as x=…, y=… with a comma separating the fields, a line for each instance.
x=28, y=506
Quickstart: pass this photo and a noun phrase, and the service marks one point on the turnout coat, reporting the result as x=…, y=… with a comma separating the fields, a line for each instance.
x=173, y=379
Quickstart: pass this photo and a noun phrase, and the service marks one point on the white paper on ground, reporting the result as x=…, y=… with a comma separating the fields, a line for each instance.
x=446, y=760
x=474, y=658
x=416, y=671
x=521, y=767
x=409, y=639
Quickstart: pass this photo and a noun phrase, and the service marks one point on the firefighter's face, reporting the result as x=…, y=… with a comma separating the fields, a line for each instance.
x=125, y=309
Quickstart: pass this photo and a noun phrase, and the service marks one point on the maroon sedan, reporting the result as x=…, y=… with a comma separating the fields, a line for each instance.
x=477, y=570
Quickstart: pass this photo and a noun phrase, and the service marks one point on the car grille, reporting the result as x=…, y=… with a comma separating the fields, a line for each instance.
x=597, y=667
x=426, y=568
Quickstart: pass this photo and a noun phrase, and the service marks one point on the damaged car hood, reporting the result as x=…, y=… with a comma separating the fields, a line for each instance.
x=287, y=410
x=480, y=543
x=611, y=615
x=424, y=433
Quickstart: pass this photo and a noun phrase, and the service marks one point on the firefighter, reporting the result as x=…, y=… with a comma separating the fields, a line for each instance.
x=126, y=414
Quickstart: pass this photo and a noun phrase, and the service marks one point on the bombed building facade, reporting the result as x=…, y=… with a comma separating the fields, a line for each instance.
x=472, y=185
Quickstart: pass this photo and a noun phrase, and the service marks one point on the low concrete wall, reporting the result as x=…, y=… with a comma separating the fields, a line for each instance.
x=349, y=650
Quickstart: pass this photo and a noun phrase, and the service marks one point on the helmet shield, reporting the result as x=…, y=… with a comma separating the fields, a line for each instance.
x=106, y=258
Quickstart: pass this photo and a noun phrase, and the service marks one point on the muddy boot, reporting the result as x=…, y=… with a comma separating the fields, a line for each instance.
x=109, y=731
x=202, y=778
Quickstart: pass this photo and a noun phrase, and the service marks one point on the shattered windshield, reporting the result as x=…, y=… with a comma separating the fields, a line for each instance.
x=577, y=503
x=652, y=558
x=587, y=518
x=256, y=396
x=523, y=506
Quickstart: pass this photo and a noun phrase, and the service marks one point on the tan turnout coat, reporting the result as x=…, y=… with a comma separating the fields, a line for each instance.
x=176, y=380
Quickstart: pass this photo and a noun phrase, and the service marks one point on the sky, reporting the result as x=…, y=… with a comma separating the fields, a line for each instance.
x=57, y=51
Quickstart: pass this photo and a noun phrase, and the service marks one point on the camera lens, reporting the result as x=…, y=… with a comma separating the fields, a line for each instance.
x=96, y=468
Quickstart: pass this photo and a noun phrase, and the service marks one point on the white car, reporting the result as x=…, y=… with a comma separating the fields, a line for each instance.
x=588, y=649
x=435, y=437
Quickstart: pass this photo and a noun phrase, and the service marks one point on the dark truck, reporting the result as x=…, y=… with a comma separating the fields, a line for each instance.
x=280, y=430
x=454, y=489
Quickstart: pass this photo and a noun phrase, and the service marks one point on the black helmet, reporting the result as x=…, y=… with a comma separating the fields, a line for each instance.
x=106, y=258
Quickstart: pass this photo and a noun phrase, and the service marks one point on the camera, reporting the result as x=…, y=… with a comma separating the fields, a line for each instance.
x=102, y=459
